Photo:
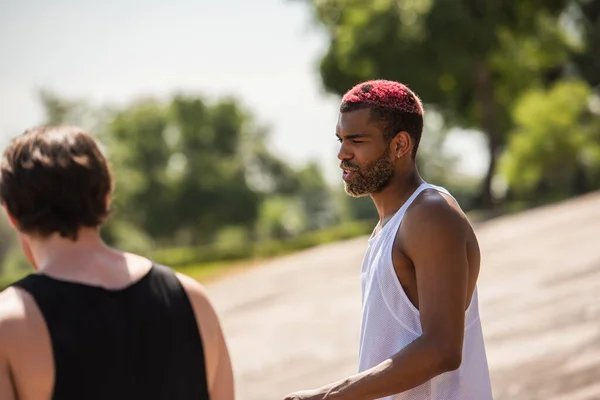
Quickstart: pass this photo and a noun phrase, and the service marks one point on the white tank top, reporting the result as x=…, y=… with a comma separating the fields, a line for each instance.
x=390, y=322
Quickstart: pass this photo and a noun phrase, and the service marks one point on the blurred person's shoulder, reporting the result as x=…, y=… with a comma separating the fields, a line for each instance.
x=15, y=304
x=209, y=326
x=20, y=317
x=202, y=305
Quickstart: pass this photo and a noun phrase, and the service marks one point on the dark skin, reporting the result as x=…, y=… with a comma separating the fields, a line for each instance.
x=437, y=265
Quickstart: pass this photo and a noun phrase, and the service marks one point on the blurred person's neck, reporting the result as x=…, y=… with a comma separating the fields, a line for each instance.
x=400, y=187
x=56, y=253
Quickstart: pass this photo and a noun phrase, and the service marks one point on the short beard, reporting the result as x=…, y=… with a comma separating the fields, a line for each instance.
x=373, y=178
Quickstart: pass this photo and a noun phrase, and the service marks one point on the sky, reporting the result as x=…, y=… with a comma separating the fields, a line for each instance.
x=264, y=52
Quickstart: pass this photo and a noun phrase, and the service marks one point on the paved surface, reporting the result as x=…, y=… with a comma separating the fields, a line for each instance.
x=293, y=323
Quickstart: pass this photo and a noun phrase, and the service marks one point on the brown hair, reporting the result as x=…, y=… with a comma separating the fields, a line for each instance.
x=55, y=179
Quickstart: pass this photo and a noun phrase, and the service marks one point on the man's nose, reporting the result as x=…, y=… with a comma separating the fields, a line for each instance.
x=344, y=154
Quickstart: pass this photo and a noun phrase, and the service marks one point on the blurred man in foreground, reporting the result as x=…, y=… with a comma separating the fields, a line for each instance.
x=94, y=322
x=421, y=336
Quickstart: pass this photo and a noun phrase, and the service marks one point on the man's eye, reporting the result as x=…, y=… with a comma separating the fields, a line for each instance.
x=357, y=141
x=339, y=139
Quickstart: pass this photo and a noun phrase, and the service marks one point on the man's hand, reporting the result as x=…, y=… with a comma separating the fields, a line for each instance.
x=306, y=395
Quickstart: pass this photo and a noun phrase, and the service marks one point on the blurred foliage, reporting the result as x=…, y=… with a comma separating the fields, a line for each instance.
x=185, y=256
x=469, y=58
x=554, y=151
x=583, y=18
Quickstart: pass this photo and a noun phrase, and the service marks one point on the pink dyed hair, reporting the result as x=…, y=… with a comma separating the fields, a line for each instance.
x=386, y=94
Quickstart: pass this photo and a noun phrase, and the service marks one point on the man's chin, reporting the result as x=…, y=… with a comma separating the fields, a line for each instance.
x=355, y=193
x=365, y=190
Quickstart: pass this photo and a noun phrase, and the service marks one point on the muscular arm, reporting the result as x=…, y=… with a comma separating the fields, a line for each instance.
x=437, y=247
x=217, y=359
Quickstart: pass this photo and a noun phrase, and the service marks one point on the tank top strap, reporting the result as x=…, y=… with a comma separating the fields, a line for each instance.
x=443, y=190
x=394, y=223
x=36, y=286
x=27, y=283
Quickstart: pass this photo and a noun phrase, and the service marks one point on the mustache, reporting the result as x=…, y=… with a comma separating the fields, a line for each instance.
x=349, y=166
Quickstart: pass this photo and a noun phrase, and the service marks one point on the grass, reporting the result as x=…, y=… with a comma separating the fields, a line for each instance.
x=206, y=272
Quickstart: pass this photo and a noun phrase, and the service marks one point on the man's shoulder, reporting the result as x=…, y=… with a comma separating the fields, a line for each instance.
x=434, y=207
x=433, y=220
x=203, y=308
x=193, y=288
x=16, y=308
x=13, y=304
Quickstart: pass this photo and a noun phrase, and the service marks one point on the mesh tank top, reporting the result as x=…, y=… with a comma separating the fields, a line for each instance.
x=141, y=342
x=390, y=322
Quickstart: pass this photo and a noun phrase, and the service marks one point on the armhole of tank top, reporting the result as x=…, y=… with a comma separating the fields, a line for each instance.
x=28, y=285
x=389, y=256
x=474, y=298
x=25, y=283
x=394, y=277
x=170, y=276
x=31, y=285
x=473, y=306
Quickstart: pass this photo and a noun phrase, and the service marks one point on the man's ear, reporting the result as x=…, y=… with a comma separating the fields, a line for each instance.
x=401, y=144
x=107, y=202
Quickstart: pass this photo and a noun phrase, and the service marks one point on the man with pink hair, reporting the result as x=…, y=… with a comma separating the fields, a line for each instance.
x=421, y=336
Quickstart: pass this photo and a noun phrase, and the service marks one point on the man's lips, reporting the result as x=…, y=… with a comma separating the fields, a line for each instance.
x=348, y=174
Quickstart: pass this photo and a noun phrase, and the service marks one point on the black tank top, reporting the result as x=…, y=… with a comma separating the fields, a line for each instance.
x=141, y=342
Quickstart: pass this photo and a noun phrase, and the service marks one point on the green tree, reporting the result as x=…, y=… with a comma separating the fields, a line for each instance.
x=213, y=190
x=469, y=58
x=139, y=158
x=554, y=150
x=584, y=18
x=179, y=170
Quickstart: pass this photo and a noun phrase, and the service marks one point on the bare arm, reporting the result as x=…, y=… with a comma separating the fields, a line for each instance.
x=7, y=389
x=26, y=366
x=223, y=383
x=437, y=247
x=7, y=386
x=217, y=359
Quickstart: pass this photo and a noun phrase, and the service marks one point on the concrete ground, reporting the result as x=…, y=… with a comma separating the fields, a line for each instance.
x=293, y=323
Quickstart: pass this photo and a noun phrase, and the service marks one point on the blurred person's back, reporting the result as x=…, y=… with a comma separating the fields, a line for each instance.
x=94, y=322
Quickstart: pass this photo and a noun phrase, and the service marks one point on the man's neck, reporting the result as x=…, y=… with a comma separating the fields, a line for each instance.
x=56, y=252
x=396, y=193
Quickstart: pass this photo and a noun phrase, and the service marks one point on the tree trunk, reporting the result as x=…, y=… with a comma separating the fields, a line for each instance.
x=580, y=181
x=489, y=118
